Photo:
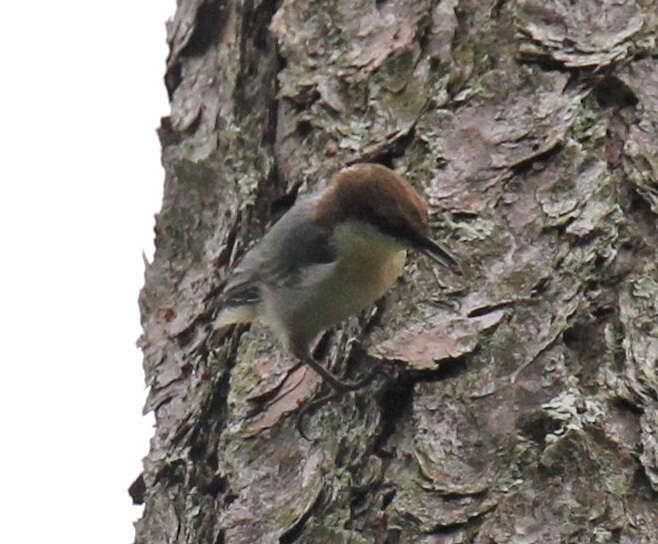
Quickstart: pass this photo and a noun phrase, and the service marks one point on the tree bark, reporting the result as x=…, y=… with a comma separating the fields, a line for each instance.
x=523, y=399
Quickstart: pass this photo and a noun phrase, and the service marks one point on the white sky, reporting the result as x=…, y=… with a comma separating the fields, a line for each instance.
x=80, y=180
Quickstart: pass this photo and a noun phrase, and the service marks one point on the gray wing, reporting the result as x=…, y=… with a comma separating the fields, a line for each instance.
x=295, y=242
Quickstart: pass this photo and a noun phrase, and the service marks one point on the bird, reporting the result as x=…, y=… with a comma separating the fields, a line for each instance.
x=331, y=255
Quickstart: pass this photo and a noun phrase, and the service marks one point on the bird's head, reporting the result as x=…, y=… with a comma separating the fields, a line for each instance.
x=376, y=195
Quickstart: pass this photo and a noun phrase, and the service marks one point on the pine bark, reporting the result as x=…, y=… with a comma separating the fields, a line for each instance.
x=522, y=403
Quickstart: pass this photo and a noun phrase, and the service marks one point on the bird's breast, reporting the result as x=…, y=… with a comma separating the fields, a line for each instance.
x=367, y=263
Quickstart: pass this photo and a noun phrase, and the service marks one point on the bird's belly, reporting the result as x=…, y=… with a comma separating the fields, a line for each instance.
x=329, y=294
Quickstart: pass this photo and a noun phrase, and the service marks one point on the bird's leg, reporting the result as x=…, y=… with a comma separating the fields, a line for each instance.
x=337, y=385
x=339, y=388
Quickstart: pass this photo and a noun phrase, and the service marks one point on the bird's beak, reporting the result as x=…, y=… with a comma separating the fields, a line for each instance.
x=439, y=254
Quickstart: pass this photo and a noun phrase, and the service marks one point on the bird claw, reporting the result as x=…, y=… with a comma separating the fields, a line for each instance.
x=311, y=407
x=337, y=392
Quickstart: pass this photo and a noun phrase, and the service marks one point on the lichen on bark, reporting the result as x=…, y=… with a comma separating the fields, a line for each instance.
x=522, y=399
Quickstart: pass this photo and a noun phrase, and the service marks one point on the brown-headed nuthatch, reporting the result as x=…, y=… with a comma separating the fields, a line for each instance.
x=330, y=256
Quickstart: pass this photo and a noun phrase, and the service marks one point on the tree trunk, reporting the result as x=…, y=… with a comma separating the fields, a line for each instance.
x=523, y=399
